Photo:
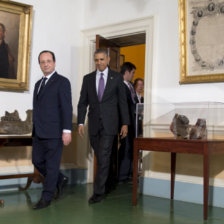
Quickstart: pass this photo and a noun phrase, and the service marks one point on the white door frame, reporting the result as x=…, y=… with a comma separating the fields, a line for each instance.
x=142, y=25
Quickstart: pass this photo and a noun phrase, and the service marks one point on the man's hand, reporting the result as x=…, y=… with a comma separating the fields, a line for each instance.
x=81, y=130
x=66, y=138
x=124, y=131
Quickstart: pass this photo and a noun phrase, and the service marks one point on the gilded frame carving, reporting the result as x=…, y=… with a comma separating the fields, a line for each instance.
x=201, y=41
x=17, y=22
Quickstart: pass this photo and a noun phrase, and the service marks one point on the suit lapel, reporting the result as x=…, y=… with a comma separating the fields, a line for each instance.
x=36, y=87
x=35, y=90
x=110, y=78
x=93, y=85
x=49, y=83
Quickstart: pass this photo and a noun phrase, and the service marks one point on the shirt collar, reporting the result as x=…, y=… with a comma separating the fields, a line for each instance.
x=105, y=72
x=48, y=76
x=126, y=82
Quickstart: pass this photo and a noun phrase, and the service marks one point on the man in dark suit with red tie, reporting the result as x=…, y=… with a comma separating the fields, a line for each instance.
x=104, y=92
x=52, y=125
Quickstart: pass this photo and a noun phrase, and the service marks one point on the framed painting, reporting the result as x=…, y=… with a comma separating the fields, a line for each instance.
x=15, y=39
x=201, y=39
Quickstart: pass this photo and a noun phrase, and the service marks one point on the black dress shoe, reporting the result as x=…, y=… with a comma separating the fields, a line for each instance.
x=123, y=181
x=41, y=204
x=60, y=187
x=95, y=198
x=110, y=188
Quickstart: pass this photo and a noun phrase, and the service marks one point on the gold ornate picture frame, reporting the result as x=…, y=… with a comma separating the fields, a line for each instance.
x=201, y=33
x=15, y=40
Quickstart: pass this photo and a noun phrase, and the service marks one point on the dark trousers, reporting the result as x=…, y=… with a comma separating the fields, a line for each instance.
x=102, y=145
x=125, y=156
x=46, y=157
x=113, y=171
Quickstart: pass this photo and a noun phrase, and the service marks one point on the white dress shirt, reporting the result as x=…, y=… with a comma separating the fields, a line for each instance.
x=98, y=75
x=126, y=83
x=139, y=97
x=48, y=77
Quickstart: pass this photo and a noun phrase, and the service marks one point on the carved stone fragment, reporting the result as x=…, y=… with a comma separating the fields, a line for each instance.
x=12, y=124
x=199, y=130
x=180, y=126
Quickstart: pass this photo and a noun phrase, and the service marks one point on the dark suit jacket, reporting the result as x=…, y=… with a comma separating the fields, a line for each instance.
x=52, y=109
x=142, y=99
x=132, y=111
x=113, y=103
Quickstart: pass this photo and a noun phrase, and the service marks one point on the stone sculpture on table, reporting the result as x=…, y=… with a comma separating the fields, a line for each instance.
x=199, y=130
x=181, y=128
x=12, y=124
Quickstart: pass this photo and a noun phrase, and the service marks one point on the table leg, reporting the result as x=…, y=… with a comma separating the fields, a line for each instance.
x=135, y=173
x=36, y=178
x=28, y=183
x=173, y=171
x=206, y=181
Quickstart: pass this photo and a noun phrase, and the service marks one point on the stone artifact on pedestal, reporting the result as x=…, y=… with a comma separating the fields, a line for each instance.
x=12, y=124
x=182, y=130
x=199, y=130
x=180, y=126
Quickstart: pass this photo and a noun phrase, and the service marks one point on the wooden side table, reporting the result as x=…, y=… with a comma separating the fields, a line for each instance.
x=18, y=141
x=203, y=147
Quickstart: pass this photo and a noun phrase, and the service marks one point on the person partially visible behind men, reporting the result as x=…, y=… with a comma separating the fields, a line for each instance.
x=6, y=57
x=126, y=146
x=52, y=125
x=104, y=92
x=139, y=89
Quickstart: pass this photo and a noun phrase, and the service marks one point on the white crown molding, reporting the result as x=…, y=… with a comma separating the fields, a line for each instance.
x=120, y=29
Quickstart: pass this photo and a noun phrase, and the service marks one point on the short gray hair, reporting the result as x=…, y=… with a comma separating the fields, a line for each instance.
x=101, y=50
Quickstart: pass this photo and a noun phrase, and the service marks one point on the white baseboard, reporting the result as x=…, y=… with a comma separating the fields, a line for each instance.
x=185, y=178
x=8, y=170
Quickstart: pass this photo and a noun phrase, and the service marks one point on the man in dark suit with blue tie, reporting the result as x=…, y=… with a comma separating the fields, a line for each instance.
x=52, y=125
x=104, y=92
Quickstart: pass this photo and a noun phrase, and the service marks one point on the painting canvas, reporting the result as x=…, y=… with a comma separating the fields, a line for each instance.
x=9, y=40
x=201, y=41
x=15, y=31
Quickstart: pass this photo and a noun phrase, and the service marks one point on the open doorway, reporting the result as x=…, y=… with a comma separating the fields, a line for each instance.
x=129, y=48
x=132, y=49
